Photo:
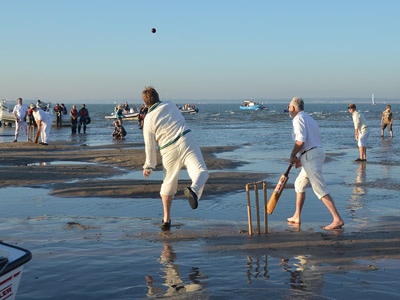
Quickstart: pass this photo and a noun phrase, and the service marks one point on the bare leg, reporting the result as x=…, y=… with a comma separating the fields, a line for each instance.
x=167, y=202
x=364, y=152
x=337, y=219
x=300, y=199
x=361, y=152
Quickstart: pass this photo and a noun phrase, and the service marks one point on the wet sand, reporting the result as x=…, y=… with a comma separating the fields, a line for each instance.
x=87, y=171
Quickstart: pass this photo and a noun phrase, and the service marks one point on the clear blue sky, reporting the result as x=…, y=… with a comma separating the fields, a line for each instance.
x=218, y=49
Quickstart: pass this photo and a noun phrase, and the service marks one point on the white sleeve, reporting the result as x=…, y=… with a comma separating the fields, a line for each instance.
x=150, y=147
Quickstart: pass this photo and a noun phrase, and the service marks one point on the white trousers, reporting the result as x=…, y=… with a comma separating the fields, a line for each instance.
x=20, y=126
x=45, y=131
x=362, y=138
x=311, y=172
x=186, y=153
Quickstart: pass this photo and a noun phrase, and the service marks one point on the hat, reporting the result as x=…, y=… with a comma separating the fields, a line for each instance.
x=352, y=106
x=32, y=106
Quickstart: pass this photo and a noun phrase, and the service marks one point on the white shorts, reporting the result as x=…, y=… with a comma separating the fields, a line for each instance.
x=311, y=172
x=362, y=138
x=186, y=153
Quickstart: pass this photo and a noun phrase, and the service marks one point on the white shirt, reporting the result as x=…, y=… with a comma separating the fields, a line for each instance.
x=359, y=121
x=20, y=111
x=39, y=114
x=162, y=125
x=306, y=130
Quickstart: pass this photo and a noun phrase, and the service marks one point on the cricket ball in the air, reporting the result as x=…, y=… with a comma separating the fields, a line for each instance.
x=153, y=30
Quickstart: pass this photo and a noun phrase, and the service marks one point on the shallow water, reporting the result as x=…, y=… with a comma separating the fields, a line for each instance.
x=101, y=248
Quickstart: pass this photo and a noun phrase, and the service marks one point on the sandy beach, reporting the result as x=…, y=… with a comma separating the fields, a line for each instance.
x=74, y=171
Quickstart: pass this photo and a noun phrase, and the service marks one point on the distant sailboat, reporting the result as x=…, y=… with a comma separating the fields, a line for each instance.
x=373, y=100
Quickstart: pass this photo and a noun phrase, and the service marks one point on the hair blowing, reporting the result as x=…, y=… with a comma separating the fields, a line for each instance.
x=150, y=96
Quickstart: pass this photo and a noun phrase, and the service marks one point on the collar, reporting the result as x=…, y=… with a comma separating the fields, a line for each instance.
x=154, y=106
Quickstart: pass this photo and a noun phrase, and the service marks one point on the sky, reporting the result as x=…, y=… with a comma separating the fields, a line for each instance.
x=210, y=49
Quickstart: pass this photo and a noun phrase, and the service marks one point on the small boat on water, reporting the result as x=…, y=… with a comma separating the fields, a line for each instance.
x=133, y=114
x=249, y=104
x=189, y=109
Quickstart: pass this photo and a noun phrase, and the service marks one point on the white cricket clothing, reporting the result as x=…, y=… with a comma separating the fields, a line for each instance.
x=47, y=121
x=306, y=130
x=311, y=172
x=164, y=125
x=20, y=124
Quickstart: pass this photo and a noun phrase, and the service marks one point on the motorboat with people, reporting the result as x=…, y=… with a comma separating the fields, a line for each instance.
x=189, y=109
x=250, y=104
x=133, y=114
x=6, y=116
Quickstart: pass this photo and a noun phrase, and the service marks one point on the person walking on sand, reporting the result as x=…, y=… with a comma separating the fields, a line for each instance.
x=387, y=120
x=361, y=131
x=43, y=121
x=20, y=111
x=164, y=125
x=308, y=143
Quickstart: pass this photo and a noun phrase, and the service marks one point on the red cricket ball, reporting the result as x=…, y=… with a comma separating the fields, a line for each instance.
x=153, y=30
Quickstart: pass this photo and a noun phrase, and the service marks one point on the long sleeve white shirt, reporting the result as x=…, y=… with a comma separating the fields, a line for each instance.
x=360, y=123
x=163, y=124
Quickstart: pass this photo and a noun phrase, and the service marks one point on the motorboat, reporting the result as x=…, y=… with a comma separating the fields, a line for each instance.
x=189, y=109
x=6, y=116
x=249, y=104
x=133, y=114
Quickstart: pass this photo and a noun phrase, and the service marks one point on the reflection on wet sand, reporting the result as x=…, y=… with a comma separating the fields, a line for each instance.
x=358, y=197
x=304, y=274
x=172, y=278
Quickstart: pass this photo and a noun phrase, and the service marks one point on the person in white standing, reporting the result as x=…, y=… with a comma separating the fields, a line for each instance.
x=309, y=144
x=164, y=125
x=361, y=131
x=20, y=111
x=43, y=121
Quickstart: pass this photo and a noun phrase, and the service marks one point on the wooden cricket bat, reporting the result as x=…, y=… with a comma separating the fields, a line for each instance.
x=278, y=191
x=37, y=136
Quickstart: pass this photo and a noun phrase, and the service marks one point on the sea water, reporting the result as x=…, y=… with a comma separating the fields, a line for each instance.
x=106, y=258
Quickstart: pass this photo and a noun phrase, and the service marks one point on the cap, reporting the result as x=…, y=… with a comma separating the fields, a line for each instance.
x=352, y=106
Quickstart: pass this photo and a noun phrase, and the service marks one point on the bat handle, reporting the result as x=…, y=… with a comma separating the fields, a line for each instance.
x=288, y=170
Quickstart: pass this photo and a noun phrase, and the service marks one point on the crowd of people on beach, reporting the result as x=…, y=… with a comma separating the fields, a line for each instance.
x=28, y=118
x=165, y=129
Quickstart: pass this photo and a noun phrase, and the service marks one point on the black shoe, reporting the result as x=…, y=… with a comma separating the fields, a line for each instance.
x=44, y=144
x=359, y=159
x=165, y=225
x=192, y=197
x=14, y=141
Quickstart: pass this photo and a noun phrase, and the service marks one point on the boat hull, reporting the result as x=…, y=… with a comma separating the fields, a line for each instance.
x=130, y=116
x=254, y=107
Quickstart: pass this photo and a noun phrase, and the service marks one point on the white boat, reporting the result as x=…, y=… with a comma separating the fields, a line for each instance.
x=373, y=99
x=6, y=116
x=12, y=260
x=132, y=115
x=189, y=110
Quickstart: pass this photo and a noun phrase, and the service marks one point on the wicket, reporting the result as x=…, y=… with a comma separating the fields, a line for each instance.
x=255, y=184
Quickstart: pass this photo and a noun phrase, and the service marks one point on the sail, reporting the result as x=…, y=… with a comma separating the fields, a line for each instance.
x=373, y=99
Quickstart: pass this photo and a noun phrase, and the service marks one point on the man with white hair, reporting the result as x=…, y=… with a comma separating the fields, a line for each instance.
x=20, y=111
x=309, y=144
x=43, y=121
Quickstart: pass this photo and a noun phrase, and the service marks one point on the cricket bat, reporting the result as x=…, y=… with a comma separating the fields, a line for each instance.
x=278, y=191
x=37, y=136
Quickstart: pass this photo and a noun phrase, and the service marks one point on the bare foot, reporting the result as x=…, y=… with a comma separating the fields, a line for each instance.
x=293, y=220
x=334, y=225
